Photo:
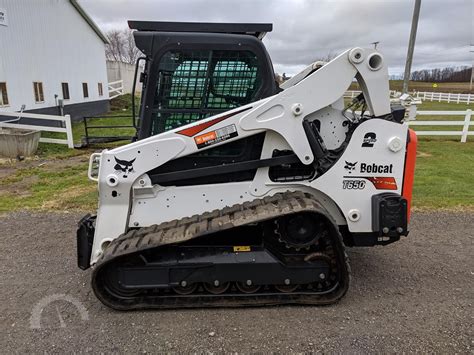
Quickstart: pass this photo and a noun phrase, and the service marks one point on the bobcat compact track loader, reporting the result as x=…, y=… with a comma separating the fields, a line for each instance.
x=238, y=191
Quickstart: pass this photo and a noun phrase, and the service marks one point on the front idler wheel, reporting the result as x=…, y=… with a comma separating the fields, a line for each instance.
x=112, y=280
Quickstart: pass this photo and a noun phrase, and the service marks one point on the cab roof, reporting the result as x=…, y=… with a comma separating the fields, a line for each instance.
x=258, y=30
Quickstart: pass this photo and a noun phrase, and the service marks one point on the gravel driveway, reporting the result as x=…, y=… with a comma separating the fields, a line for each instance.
x=414, y=295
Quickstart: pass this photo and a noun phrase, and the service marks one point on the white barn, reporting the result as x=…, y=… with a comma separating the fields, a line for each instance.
x=51, y=50
x=124, y=72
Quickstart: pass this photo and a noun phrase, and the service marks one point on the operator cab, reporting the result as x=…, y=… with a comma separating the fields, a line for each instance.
x=197, y=70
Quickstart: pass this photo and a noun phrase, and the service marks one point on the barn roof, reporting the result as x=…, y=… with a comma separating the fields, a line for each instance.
x=89, y=20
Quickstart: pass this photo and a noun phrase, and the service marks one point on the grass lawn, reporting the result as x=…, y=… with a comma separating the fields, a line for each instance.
x=50, y=185
x=422, y=86
x=443, y=106
x=56, y=179
x=444, y=175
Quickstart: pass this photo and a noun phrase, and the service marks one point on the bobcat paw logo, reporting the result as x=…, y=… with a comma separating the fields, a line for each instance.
x=124, y=166
x=350, y=166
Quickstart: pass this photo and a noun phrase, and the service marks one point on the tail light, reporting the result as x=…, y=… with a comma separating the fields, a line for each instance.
x=409, y=174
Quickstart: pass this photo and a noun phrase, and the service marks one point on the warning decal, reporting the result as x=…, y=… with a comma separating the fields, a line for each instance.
x=193, y=130
x=241, y=248
x=217, y=136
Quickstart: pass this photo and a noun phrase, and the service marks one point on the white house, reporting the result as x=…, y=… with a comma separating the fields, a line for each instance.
x=51, y=50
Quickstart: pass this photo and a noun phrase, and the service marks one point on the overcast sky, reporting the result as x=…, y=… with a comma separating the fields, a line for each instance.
x=306, y=30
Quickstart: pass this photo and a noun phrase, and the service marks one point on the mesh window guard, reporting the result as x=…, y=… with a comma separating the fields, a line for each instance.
x=193, y=85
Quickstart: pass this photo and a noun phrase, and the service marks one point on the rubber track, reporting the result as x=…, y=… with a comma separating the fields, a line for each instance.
x=178, y=231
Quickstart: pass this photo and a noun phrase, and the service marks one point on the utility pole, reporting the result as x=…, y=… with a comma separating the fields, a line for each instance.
x=375, y=44
x=411, y=45
x=472, y=71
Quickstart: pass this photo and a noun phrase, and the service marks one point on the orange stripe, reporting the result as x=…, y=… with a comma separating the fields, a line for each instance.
x=409, y=174
x=383, y=183
x=191, y=131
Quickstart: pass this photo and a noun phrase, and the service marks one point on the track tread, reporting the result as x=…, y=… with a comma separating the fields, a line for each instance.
x=178, y=231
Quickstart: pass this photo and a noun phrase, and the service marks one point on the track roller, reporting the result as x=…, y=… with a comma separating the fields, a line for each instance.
x=185, y=289
x=216, y=288
x=247, y=287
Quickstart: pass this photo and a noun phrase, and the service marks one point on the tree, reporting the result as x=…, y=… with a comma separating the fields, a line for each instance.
x=448, y=74
x=122, y=46
x=326, y=58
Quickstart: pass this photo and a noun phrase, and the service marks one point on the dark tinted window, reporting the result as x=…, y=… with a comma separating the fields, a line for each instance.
x=39, y=93
x=3, y=94
x=65, y=87
x=85, y=90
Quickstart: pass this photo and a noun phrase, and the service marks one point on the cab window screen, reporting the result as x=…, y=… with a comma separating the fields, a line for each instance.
x=193, y=85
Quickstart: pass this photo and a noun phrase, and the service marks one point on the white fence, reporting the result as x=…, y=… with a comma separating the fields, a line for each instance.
x=465, y=130
x=66, y=122
x=445, y=97
x=353, y=93
x=115, y=89
x=427, y=96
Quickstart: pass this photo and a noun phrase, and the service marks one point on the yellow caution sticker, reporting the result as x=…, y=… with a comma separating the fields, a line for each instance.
x=241, y=248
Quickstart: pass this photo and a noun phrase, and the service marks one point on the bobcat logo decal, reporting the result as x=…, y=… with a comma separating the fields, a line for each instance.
x=350, y=166
x=124, y=167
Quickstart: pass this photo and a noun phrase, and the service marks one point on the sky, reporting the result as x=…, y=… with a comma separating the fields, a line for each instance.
x=308, y=30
